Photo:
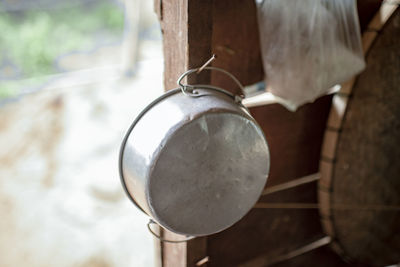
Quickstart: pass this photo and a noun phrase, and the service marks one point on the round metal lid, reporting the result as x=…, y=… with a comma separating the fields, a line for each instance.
x=209, y=174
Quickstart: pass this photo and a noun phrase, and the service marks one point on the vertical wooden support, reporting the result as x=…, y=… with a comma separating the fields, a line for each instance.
x=187, y=37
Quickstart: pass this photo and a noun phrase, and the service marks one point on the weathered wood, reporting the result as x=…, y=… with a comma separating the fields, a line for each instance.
x=183, y=254
x=235, y=40
x=190, y=37
x=320, y=257
x=267, y=260
x=187, y=35
x=295, y=142
x=267, y=233
x=294, y=138
x=365, y=161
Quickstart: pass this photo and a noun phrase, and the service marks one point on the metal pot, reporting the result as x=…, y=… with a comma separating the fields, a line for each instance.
x=194, y=160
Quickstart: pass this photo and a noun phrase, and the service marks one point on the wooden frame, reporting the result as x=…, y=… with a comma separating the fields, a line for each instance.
x=334, y=126
x=192, y=31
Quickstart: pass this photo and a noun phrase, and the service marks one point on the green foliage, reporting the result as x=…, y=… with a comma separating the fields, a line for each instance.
x=32, y=40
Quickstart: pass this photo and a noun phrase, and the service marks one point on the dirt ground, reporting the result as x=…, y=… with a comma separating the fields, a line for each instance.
x=60, y=196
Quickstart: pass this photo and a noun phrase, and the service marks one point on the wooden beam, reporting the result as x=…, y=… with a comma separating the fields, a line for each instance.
x=366, y=11
x=187, y=33
x=236, y=43
x=187, y=40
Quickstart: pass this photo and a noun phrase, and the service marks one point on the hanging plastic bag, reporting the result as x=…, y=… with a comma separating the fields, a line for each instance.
x=308, y=46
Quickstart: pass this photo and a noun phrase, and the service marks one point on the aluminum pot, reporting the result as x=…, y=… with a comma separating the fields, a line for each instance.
x=194, y=160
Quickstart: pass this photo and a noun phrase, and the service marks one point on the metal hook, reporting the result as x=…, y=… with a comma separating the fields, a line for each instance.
x=188, y=89
x=166, y=240
x=214, y=56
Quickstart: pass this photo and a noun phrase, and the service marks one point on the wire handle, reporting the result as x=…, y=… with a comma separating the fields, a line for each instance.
x=166, y=240
x=188, y=89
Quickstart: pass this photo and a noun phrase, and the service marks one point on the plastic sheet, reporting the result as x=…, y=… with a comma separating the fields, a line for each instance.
x=308, y=46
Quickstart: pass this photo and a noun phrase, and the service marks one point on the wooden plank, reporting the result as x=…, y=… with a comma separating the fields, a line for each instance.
x=268, y=233
x=366, y=10
x=367, y=158
x=268, y=261
x=187, y=35
x=338, y=112
x=293, y=183
x=235, y=40
x=175, y=40
x=295, y=142
x=294, y=138
x=323, y=255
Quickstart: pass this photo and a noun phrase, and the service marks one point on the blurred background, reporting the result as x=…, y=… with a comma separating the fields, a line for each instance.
x=73, y=76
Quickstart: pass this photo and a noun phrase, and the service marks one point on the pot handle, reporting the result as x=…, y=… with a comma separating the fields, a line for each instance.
x=166, y=240
x=187, y=89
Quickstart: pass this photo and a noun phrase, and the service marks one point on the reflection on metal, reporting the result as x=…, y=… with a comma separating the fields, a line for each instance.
x=199, y=169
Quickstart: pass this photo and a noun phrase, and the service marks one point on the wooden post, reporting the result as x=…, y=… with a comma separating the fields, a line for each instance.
x=187, y=37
